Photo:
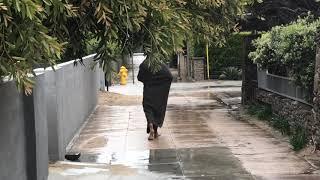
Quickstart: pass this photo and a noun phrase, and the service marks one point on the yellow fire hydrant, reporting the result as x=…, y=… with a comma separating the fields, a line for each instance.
x=123, y=74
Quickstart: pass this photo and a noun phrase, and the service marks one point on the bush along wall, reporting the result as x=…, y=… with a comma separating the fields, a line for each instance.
x=225, y=60
x=289, y=51
x=292, y=118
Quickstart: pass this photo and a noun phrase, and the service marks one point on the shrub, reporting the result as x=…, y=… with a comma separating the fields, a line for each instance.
x=228, y=55
x=281, y=124
x=296, y=132
x=231, y=73
x=299, y=138
x=289, y=50
x=261, y=111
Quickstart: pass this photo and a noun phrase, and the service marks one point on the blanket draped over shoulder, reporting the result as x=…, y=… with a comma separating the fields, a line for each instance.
x=155, y=92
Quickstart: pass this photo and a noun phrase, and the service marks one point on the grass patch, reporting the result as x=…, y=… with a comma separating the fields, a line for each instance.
x=281, y=124
x=299, y=138
x=297, y=133
x=263, y=112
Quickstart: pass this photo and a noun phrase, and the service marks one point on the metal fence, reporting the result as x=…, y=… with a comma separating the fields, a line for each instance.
x=283, y=86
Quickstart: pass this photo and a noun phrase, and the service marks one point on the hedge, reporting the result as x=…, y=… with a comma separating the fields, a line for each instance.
x=229, y=55
x=289, y=51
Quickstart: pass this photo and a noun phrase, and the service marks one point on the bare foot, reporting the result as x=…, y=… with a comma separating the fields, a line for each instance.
x=156, y=135
x=152, y=133
x=151, y=136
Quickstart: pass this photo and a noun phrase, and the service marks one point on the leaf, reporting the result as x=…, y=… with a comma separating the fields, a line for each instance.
x=17, y=3
x=47, y=2
x=18, y=58
x=3, y=7
x=3, y=69
x=28, y=13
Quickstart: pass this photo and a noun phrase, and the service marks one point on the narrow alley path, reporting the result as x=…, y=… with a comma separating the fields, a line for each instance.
x=199, y=141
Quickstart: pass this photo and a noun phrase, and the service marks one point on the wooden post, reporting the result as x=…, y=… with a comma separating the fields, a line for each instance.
x=249, y=73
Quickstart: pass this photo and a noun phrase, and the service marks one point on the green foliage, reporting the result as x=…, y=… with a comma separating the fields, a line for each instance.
x=299, y=138
x=25, y=41
x=231, y=73
x=230, y=54
x=37, y=33
x=289, y=50
x=178, y=21
x=280, y=124
x=263, y=112
x=91, y=45
x=252, y=109
x=297, y=133
x=262, y=15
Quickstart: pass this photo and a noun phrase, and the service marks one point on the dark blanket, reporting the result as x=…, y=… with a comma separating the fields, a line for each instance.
x=155, y=92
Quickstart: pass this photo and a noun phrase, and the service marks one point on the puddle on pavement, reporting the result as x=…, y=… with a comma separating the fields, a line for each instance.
x=188, y=163
x=204, y=87
x=193, y=108
x=195, y=152
x=78, y=172
x=144, y=157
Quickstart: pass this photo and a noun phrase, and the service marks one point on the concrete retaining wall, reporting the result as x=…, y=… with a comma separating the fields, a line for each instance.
x=23, y=132
x=34, y=127
x=12, y=134
x=72, y=96
x=297, y=113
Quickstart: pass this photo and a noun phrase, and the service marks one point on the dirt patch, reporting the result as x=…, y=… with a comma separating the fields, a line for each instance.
x=114, y=99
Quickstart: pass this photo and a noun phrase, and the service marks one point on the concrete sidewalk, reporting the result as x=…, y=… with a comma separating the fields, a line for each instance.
x=204, y=86
x=200, y=141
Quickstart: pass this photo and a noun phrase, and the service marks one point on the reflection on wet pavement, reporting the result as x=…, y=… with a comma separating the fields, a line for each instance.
x=199, y=141
x=190, y=163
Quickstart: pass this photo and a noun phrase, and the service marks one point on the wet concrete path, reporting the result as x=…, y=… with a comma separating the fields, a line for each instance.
x=200, y=140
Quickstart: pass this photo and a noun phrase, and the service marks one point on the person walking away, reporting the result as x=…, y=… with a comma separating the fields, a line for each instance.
x=156, y=87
